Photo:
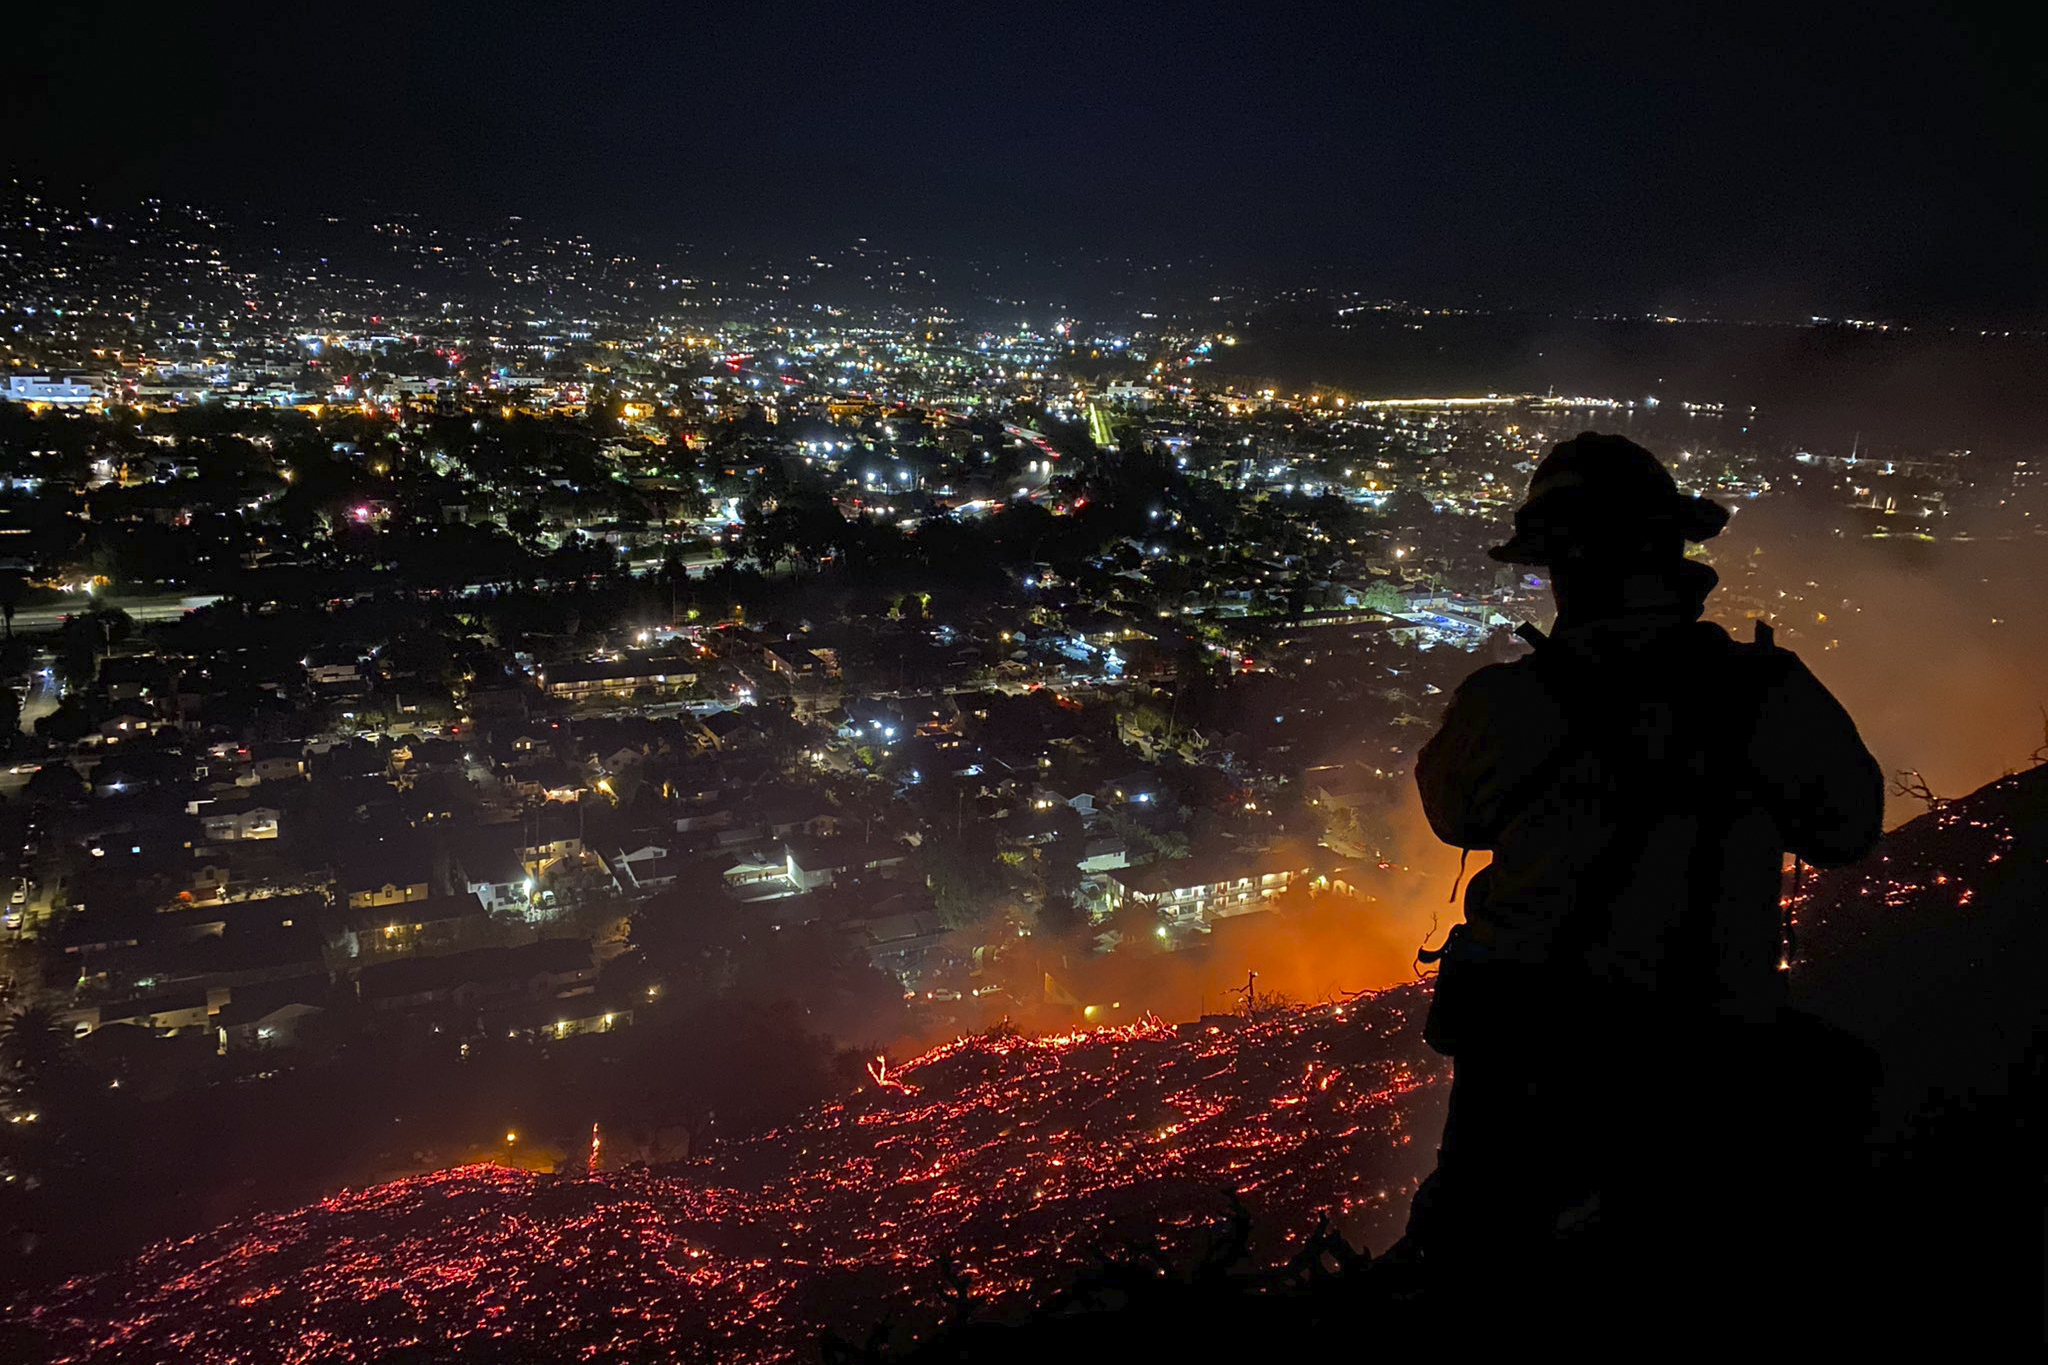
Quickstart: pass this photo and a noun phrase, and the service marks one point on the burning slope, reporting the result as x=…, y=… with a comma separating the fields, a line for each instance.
x=1934, y=954
x=1008, y=1156
x=1011, y=1157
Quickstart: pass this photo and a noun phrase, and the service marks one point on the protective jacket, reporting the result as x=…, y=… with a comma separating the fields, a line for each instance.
x=1638, y=780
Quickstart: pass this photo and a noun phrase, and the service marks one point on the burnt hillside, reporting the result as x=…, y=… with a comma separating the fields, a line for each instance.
x=983, y=1176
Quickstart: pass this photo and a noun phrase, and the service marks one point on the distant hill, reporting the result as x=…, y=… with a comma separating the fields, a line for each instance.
x=996, y=1166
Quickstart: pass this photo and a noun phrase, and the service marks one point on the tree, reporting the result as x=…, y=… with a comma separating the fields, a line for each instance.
x=1059, y=912
x=69, y=723
x=13, y=587
x=964, y=875
x=54, y=783
x=34, y=1051
x=1019, y=528
x=1137, y=926
x=85, y=637
x=1408, y=508
x=1910, y=783
x=1383, y=596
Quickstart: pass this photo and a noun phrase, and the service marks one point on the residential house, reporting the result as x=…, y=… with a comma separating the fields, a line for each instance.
x=902, y=943
x=491, y=869
x=270, y=1015
x=422, y=928
x=641, y=868
x=617, y=679
x=336, y=671
x=162, y=1013
x=542, y=970
x=1194, y=891
x=275, y=762
x=774, y=871
x=235, y=818
x=556, y=1019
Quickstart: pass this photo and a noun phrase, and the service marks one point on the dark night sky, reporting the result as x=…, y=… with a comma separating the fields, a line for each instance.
x=1858, y=159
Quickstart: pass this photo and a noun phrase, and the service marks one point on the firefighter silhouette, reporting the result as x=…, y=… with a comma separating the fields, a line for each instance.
x=1614, y=1001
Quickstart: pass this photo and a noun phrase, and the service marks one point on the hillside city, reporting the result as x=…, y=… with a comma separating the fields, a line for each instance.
x=455, y=675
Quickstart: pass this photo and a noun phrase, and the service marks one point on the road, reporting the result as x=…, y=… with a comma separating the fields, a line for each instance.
x=42, y=695
x=158, y=607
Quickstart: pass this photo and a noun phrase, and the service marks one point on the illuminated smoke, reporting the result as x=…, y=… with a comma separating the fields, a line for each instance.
x=1010, y=1156
x=1938, y=650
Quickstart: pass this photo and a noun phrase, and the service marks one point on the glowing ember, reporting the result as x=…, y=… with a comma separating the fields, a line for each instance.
x=1012, y=1156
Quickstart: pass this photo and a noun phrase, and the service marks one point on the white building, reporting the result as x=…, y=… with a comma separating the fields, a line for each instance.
x=41, y=388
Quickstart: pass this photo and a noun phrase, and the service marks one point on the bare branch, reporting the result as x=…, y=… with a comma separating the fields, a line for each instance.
x=1909, y=782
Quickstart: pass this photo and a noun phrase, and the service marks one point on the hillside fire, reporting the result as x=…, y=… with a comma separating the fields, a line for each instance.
x=1009, y=1158
x=999, y=1162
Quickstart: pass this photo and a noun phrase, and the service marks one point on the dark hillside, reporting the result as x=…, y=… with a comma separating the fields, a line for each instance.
x=1939, y=957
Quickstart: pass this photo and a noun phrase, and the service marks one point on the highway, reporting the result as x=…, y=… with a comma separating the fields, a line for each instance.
x=157, y=607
